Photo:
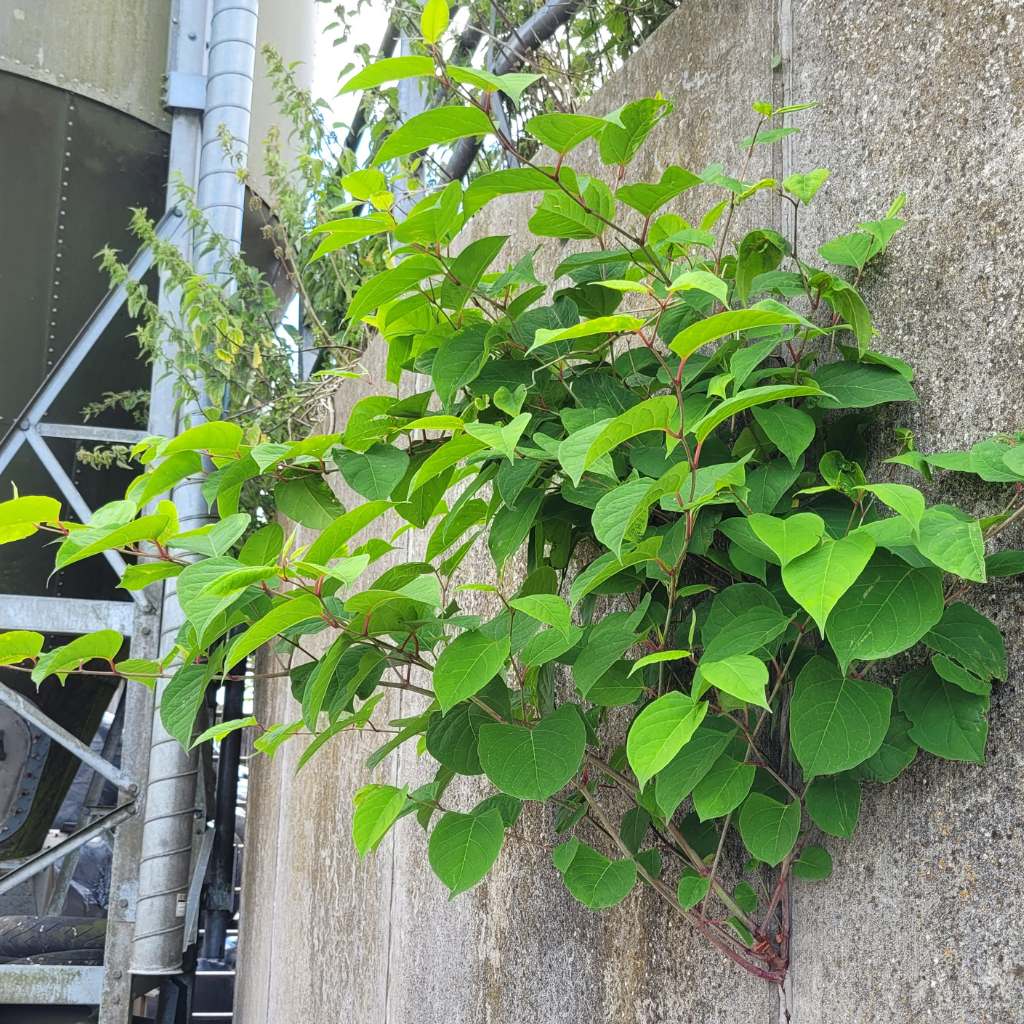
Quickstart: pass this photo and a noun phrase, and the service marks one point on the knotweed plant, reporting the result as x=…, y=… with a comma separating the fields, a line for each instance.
x=710, y=625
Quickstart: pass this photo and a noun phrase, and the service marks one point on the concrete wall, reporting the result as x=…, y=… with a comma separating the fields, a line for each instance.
x=920, y=921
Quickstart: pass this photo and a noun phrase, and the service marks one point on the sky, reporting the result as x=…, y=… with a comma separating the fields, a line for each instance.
x=328, y=60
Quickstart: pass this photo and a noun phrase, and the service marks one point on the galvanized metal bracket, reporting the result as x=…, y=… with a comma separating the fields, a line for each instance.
x=185, y=91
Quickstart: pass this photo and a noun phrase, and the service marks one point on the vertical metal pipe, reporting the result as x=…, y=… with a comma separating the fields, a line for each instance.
x=232, y=60
x=220, y=876
x=170, y=824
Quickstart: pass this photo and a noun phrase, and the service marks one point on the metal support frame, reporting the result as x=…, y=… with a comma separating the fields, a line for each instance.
x=31, y=713
x=51, y=855
x=69, y=615
x=163, y=925
x=152, y=873
x=28, y=424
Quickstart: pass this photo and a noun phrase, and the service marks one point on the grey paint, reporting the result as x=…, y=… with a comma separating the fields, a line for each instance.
x=919, y=922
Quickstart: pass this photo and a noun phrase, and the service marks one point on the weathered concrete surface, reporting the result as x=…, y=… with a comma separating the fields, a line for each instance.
x=920, y=921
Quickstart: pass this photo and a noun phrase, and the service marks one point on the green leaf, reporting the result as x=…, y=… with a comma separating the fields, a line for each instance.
x=431, y=128
x=596, y=881
x=512, y=85
x=87, y=542
x=971, y=639
x=953, y=543
x=746, y=400
x=622, y=514
x=547, y=608
x=451, y=739
x=656, y=413
x=629, y=126
x=389, y=284
x=163, y=477
x=468, y=268
x=271, y=738
x=958, y=675
x=511, y=526
x=339, y=233
x=182, y=698
x=218, y=437
x=692, y=888
x=449, y=454
x=511, y=181
x=618, y=324
x=19, y=645
x=1004, y=563
x=723, y=788
x=467, y=665
x=604, y=568
x=895, y=754
x=368, y=182
x=222, y=729
x=721, y=325
x=703, y=281
x=813, y=864
x=790, y=537
x=213, y=540
x=463, y=847
x=677, y=779
x=646, y=198
x=833, y=803
x=20, y=517
x=769, y=828
x=790, y=430
x=563, y=132
x=285, y=615
x=851, y=250
x=660, y=731
x=902, y=499
x=102, y=645
x=887, y=610
x=739, y=675
x=656, y=659
x=501, y=437
x=374, y=473
x=861, y=385
x=308, y=500
x=264, y=546
x=534, y=763
x=561, y=216
x=434, y=20
x=377, y=808
x=818, y=579
x=329, y=544
x=836, y=722
x=389, y=69
x=144, y=573
x=319, y=681
x=946, y=720
x=805, y=186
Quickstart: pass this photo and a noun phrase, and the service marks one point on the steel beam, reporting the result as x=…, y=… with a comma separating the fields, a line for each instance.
x=89, y=432
x=91, y=332
x=50, y=985
x=42, y=860
x=70, y=615
x=31, y=713
x=75, y=500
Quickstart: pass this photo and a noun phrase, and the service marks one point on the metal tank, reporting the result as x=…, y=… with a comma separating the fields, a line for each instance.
x=102, y=102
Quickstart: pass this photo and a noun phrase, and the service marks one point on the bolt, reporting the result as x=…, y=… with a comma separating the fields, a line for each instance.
x=123, y=904
x=115, y=974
